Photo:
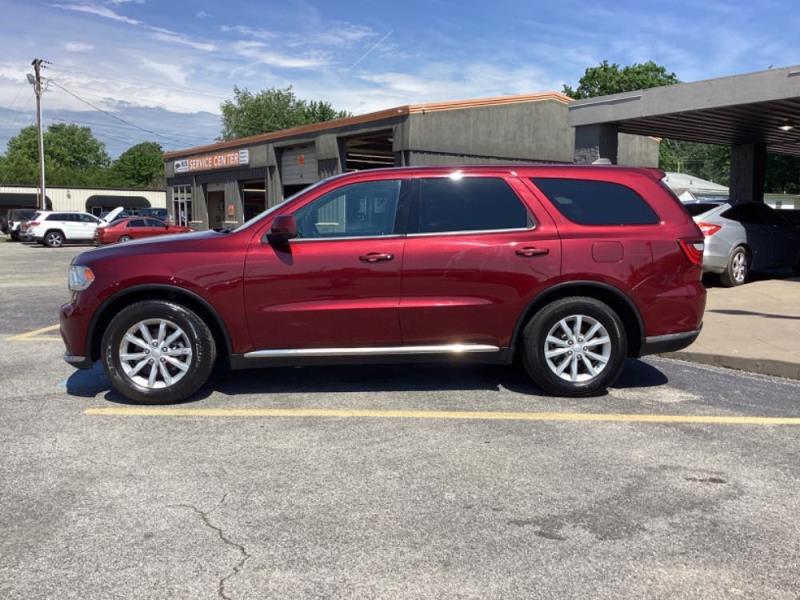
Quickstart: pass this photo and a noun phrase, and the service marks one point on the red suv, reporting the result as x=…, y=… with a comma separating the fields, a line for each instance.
x=569, y=269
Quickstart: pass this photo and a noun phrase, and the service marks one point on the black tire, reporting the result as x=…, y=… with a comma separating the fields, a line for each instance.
x=199, y=338
x=53, y=239
x=733, y=276
x=125, y=238
x=535, y=336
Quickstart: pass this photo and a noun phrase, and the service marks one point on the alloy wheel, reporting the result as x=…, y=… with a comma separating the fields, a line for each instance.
x=739, y=266
x=155, y=353
x=577, y=348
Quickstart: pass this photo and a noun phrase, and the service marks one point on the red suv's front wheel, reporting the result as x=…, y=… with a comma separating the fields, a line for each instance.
x=157, y=352
x=574, y=347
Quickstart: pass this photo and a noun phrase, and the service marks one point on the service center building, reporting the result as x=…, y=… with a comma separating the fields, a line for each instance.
x=224, y=184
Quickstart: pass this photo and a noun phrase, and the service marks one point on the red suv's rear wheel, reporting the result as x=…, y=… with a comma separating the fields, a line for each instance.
x=574, y=347
x=157, y=352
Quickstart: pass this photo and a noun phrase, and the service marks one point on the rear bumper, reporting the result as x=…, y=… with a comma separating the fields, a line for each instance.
x=671, y=342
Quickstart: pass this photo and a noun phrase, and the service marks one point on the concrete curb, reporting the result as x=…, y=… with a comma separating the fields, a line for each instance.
x=775, y=368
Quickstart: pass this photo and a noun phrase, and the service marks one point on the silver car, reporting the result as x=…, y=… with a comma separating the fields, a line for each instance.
x=745, y=237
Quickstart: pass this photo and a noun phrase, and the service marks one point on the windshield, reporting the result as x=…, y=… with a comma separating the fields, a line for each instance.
x=20, y=215
x=273, y=209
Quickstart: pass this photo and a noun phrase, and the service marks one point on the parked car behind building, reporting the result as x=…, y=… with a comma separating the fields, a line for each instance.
x=134, y=228
x=16, y=218
x=745, y=237
x=54, y=229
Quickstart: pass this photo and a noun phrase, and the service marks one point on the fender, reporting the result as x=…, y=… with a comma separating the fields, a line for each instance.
x=556, y=290
x=162, y=288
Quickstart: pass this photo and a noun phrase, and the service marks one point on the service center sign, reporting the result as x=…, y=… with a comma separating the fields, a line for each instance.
x=218, y=160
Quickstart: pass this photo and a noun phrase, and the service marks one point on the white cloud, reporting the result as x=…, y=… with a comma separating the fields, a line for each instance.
x=164, y=35
x=100, y=11
x=172, y=72
x=78, y=47
x=334, y=35
x=202, y=15
x=260, y=52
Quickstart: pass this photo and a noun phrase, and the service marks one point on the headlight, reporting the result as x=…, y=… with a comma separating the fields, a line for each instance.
x=80, y=278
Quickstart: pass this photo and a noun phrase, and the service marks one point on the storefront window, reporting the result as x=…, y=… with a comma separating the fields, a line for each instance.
x=182, y=204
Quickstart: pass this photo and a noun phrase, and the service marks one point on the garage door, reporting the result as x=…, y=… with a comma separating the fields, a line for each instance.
x=299, y=165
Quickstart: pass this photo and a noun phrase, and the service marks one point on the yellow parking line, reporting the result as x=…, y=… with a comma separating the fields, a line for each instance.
x=144, y=411
x=36, y=334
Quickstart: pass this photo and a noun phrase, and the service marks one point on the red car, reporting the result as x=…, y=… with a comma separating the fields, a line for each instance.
x=571, y=269
x=134, y=228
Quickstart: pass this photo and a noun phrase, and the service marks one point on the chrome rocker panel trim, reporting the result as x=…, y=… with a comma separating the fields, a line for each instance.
x=372, y=351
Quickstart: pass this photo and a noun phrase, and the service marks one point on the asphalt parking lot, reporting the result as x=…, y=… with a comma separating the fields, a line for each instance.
x=386, y=482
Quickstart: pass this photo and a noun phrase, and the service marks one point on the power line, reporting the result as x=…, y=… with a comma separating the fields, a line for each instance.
x=116, y=128
x=127, y=140
x=113, y=116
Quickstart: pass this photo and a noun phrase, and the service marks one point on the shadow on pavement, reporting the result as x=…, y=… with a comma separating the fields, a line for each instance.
x=370, y=378
x=712, y=281
x=752, y=313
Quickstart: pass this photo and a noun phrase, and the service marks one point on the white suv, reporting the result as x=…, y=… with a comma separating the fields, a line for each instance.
x=54, y=228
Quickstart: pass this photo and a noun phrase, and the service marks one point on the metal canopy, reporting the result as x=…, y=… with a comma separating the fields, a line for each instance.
x=742, y=109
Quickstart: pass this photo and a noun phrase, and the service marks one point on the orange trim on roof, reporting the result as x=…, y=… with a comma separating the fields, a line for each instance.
x=388, y=113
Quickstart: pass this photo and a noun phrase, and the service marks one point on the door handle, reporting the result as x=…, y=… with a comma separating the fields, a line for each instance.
x=529, y=251
x=373, y=257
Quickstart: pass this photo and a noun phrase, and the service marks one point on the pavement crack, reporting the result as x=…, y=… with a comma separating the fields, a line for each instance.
x=225, y=540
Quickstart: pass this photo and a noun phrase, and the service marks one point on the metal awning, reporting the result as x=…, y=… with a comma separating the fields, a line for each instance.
x=756, y=108
x=103, y=201
x=22, y=200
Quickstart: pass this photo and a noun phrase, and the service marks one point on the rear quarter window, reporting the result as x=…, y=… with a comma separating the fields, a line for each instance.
x=590, y=202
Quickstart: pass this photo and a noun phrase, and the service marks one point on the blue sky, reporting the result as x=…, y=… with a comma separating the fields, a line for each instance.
x=167, y=65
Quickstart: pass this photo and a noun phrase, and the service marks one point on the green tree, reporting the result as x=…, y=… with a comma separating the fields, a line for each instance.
x=73, y=156
x=783, y=174
x=271, y=110
x=608, y=78
x=140, y=166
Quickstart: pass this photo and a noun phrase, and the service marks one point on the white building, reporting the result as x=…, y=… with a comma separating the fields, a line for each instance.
x=76, y=199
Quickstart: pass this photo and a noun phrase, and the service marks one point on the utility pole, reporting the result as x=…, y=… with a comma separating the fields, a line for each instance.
x=36, y=82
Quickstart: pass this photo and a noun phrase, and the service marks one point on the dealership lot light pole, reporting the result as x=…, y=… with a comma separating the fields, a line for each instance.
x=36, y=82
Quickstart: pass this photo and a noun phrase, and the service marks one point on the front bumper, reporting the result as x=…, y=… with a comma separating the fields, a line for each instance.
x=74, y=328
x=671, y=342
x=79, y=362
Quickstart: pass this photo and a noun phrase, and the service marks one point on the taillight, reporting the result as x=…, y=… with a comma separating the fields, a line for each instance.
x=693, y=249
x=708, y=229
x=33, y=223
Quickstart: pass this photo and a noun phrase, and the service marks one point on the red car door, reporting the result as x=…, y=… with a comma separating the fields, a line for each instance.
x=475, y=255
x=336, y=285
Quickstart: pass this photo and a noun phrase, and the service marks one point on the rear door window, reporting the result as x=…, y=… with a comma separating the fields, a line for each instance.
x=751, y=214
x=590, y=202
x=468, y=204
x=136, y=223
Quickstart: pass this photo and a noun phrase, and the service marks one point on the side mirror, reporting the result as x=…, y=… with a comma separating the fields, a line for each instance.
x=283, y=229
